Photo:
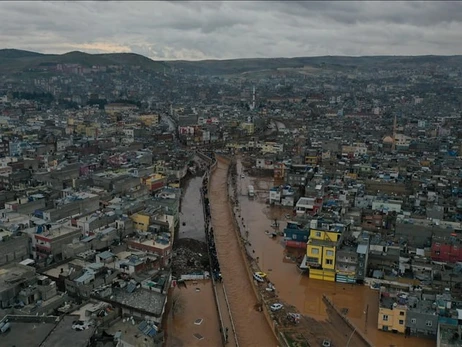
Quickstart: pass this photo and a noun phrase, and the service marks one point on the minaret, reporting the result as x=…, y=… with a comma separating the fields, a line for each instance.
x=394, y=134
x=253, y=98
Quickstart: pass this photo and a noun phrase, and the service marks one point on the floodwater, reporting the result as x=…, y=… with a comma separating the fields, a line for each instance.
x=193, y=305
x=360, y=302
x=192, y=214
x=251, y=326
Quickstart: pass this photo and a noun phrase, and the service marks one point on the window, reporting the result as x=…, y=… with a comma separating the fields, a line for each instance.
x=413, y=320
x=429, y=323
x=401, y=313
x=329, y=261
x=315, y=251
x=385, y=317
x=401, y=322
x=330, y=253
x=294, y=237
x=437, y=252
x=318, y=234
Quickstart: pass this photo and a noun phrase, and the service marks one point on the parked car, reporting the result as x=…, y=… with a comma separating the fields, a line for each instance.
x=261, y=274
x=258, y=278
x=80, y=325
x=276, y=307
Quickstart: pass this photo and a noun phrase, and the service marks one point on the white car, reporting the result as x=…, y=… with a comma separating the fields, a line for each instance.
x=80, y=325
x=276, y=307
x=257, y=277
x=242, y=176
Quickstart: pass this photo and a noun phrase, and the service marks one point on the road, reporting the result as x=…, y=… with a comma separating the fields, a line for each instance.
x=251, y=326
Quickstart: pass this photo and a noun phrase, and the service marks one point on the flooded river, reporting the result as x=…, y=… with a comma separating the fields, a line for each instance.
x=360, y=302
x=251, y=326
x=192, y=215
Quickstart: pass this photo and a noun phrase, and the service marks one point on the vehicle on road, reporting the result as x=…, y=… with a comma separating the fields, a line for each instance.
x=276, y=307
x=258, y=278
x=261, y=274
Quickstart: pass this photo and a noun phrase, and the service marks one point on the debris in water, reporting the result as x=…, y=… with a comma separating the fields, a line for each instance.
x=198, y=336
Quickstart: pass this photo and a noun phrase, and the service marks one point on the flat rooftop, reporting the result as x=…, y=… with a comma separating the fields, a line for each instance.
x=13, y=274
x=26, y=334
x=56, y=271
x=59, y=231
x=153, y=243
x=64, y=335
x=141, y=299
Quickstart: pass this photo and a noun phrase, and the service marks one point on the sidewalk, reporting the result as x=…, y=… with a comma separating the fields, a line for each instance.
x=226, y=315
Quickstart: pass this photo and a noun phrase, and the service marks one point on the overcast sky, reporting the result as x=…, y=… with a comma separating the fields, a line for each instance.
x=235, y=29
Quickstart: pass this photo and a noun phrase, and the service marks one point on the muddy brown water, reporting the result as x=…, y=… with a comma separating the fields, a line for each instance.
x=251, y=326
x=297, y=289
x=193, y=304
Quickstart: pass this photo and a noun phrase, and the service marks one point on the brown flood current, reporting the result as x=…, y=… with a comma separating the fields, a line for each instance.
x=360, y=302
x=251, y=326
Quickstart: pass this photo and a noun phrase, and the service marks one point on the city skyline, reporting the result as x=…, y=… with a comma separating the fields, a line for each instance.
x=228, y=30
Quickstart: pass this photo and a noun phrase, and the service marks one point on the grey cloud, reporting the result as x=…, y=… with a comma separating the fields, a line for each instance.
x=198, y=30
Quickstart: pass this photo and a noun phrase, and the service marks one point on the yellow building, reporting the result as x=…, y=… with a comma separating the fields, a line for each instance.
x=249, y=128
x=141, y=221
x=392, y=319
x=154, y=181
x=311, y=160
x=149, y=120
x=91, y=131
x=320, y=251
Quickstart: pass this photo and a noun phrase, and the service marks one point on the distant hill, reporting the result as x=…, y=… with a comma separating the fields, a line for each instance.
x=12, y=60
x=241, y=66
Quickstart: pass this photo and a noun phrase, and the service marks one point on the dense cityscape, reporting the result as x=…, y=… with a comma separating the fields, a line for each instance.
x=251, y=202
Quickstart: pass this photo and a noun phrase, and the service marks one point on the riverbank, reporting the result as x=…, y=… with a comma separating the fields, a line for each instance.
x=252, y=327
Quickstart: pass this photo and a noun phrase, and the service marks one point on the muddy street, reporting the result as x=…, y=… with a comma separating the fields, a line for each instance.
x=191, y=215
x=193, y=321
x=360, y=303
x=251, y=326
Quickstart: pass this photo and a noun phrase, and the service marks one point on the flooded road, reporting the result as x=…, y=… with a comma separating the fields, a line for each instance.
x=194, y=303
x=251, y=326
x=191, y=214
x=360, y=302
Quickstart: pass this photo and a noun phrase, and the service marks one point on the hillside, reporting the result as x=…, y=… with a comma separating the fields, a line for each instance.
x=12, y=60
x=240, y=66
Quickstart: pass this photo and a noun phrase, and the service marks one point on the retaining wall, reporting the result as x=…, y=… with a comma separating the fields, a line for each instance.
x=330, y=304
x=252, y=267
x=212, y=168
